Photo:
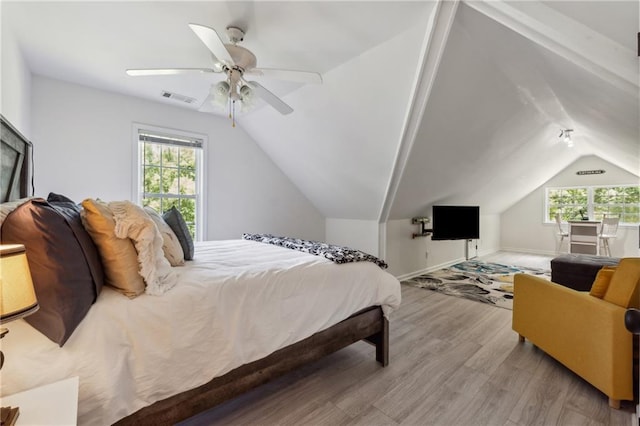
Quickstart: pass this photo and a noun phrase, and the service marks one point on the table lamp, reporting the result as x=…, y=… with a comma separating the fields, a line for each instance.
x=17, y=299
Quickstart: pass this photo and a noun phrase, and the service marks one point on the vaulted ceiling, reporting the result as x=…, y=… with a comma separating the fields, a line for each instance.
x=422, y=102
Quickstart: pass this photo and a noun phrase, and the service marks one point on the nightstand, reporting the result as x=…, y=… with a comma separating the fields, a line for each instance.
x=52, y=404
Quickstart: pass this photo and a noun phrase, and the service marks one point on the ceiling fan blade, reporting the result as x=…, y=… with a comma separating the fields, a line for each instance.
x=289, y=75
x=169, y=71
x=277, y=103
x=214, y=43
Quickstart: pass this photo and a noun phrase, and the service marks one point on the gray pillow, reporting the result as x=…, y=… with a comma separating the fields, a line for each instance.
x=176, y=222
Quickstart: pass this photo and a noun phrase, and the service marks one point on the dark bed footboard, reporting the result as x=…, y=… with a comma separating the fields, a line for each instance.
x=368, y=324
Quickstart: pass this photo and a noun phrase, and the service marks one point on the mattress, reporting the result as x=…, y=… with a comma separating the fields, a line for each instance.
x=236, y=302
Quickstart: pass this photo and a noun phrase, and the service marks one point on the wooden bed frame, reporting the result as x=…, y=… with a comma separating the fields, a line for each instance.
x=369, y=324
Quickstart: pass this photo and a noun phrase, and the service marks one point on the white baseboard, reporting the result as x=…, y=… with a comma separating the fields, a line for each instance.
x=429, y=269
x=532, y=251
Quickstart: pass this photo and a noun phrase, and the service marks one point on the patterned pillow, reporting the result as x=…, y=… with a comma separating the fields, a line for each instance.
x=119, y=256
x=176, y=222
x=170, y=244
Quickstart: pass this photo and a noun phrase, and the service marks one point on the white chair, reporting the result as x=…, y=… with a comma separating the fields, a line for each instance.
x=608, y=230
x=561, y=233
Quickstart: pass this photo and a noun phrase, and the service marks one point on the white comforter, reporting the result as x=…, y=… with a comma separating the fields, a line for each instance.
x=236, y=302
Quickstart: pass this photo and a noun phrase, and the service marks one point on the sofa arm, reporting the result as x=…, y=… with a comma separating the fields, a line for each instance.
x=585, y=333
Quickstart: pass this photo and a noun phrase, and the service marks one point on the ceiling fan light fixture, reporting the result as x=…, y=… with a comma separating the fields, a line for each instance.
x=219, y=94
x=248, y=98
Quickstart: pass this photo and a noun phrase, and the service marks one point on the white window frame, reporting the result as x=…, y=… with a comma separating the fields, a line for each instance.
x=590, y=200
x=201, y=168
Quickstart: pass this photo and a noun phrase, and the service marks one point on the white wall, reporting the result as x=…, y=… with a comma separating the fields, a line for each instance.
x=358, y=234
x=83, y=148
x=522, y=225
x=409, y=256
x=15, y=84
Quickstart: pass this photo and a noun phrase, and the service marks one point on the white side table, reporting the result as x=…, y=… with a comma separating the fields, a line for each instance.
x=52, y=404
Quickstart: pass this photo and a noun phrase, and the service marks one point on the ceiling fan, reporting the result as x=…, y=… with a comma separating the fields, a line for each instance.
x=235, y=62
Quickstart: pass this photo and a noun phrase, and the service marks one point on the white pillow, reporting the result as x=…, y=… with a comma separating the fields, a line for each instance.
x=170, y=244
x=132, y=222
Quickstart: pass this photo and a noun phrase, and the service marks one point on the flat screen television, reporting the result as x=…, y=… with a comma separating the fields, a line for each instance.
x=456, y=223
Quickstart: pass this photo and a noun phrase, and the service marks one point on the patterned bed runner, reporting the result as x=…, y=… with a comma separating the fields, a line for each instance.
x=336, y=254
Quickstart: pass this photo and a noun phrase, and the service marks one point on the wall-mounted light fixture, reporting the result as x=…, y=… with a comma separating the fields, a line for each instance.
x=565, y=135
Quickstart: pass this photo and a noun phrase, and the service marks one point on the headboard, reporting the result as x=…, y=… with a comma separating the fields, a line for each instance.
x=15, y=170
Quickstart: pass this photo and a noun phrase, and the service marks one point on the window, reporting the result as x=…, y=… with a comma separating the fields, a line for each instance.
x=594, y=202
x=169, y=169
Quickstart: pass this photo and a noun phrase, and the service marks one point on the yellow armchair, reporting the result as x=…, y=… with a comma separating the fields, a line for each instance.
x=584, y=332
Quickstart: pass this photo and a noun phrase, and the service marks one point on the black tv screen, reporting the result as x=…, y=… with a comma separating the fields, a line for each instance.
x=456, y=223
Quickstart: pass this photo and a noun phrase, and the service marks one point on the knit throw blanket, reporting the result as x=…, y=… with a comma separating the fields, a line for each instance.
x=336, y=254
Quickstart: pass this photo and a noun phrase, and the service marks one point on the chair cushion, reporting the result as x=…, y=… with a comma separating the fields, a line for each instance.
x=624, y=289
x=601, y=283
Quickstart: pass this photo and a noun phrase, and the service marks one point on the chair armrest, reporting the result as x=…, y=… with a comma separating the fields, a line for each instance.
x=632, y=320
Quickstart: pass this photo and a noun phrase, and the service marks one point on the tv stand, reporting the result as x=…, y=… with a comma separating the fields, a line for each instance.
x=466, y=250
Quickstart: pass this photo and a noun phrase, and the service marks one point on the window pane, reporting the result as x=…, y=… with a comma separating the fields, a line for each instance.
x=167, y=203
x=188, y=210
x=170, y=156
x=188, y=157
x=555, y=196
x=154, y=203
x=187, y=182
x=170, y=181
x=152, y=153
x=151, y=179
x=577, y=196
x=632, y=195
x=631, y=214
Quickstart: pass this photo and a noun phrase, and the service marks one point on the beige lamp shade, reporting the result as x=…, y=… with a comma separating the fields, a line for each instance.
x=17, y=296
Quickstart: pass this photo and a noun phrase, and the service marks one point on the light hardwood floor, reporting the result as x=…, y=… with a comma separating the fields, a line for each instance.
x=453, y=362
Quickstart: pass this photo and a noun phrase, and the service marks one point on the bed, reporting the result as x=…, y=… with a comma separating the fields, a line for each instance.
x=242, y=313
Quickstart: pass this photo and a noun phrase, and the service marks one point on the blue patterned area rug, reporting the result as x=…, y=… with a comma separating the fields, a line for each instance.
x=490, y=283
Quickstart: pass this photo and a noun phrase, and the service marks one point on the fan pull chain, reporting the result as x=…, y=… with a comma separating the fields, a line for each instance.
x=233, y=119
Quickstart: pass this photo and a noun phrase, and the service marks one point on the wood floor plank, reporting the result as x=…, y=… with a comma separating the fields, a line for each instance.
x=443, y=405
x=399, y=401
x=543, y=398
x=373, y=417
x=492, y=406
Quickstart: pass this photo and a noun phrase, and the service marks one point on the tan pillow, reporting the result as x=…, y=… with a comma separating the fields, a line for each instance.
x=119, y=256
x=601, y=283
x=170, y=244
x=624, y=286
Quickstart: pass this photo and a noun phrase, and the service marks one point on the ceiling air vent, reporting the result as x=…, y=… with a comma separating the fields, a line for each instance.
x=177, y=97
